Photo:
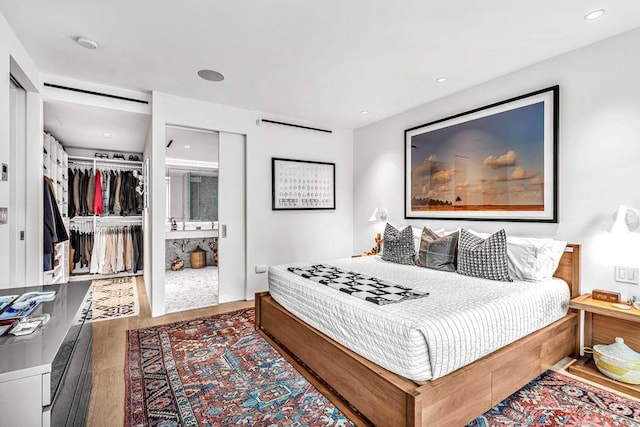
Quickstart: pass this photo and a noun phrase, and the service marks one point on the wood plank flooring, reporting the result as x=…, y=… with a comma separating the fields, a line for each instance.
x=107, y=404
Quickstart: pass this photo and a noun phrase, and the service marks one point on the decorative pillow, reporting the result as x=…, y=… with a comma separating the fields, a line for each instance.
x=436, y=252
x=417, y=236
x=530, y=258
x=484, y=258
x=398, y=245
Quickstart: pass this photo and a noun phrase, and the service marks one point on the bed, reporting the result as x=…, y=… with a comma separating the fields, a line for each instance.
x=426, y=389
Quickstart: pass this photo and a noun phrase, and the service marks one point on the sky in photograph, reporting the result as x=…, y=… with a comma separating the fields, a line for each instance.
x=494, y=160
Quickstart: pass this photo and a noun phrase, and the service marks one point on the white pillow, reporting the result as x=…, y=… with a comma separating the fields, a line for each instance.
x=530, y=258
x=442, y=232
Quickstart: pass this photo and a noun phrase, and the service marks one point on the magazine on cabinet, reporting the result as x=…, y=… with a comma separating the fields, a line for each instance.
x=29, y=297
x=6, y=300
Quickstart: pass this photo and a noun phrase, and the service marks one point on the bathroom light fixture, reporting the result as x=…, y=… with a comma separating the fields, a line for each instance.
x=379, y=214
x=441, y=79
x=211, y=75
x=626, y=219
x=87, y=43
x=595, y=14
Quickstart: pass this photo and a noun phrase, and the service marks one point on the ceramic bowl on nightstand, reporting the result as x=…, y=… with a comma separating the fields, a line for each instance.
x=618, y=361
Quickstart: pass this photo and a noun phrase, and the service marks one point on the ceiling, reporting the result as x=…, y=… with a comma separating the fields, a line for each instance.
x=85, y=126
x=322, y=61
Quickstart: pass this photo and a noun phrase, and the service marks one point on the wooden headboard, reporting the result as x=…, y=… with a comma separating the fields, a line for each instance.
x=569, y=268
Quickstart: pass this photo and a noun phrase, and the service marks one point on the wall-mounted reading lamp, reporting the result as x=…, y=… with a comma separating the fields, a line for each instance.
x=626, y=219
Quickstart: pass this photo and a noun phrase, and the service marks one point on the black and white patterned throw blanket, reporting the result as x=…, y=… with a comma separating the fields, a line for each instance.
x=358, y=285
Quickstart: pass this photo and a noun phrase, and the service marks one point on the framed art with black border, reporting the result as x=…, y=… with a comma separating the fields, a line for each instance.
x=494, y=163
x=302, y=185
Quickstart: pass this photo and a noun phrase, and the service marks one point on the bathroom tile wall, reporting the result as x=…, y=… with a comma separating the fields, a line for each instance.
x=204, y=198
x=181, y=248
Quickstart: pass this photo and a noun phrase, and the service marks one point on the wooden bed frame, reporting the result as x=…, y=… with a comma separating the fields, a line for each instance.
x=371, y=395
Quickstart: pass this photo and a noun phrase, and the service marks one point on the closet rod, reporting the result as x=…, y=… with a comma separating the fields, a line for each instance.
x=130, y=163
x=103, y=219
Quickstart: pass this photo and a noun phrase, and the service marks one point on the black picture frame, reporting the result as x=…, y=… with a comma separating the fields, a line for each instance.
x=450, y=188
x=313, y=186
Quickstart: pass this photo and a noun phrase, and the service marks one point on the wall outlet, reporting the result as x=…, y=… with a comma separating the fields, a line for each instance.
x=626, y=274
x=261, y=268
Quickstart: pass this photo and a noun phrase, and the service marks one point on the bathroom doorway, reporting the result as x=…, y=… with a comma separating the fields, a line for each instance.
x=191, y=226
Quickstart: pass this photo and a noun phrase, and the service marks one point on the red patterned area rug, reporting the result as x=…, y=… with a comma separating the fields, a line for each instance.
x=217, y=371
x=554, y=399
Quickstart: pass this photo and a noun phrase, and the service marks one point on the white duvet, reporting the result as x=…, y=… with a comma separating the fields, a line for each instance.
x=462, y=320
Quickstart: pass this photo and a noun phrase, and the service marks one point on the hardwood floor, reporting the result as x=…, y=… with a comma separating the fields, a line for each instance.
x=107, y=404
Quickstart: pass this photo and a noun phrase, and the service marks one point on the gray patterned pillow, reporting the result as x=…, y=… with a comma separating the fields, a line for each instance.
x=437, y=252
x=398, y=245
x=484, y=258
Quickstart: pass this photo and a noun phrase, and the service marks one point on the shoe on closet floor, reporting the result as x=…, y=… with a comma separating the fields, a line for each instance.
x=134, y=158
x=102, y=155
x=118, y=156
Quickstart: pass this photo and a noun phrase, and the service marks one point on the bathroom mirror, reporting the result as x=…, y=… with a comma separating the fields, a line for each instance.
x=191, y=166
x=192, y=195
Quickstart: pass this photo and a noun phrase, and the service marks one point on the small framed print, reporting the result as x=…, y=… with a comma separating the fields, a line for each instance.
x=302, y=185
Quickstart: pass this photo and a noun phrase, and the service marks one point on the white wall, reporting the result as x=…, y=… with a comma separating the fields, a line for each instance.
x=146, y=214
x=272, y=237
x=14, y=58
x=599, y=144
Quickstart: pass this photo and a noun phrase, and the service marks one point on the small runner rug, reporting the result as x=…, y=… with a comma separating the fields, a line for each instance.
x=554, y=399
x=113, y=298
x=217, y=371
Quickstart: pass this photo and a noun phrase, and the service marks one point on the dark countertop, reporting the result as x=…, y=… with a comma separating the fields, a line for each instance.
x=33, y=354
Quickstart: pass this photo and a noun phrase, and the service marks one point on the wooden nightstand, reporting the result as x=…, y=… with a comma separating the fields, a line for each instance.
x=602, y=324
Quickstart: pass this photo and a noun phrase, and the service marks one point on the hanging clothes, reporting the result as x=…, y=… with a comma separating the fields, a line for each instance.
x=54, y=229
x=71, y=207
x=117, y=208
x=106, y=185
x=91, y=193
x=97, y=202
x=107, y=250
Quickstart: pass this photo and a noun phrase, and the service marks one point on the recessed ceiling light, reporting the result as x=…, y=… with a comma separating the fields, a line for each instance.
x=107, y=135
x=211, y=75
x=441, y=79
x=187, y=146
x=594, y=14
x=87, y=43
x=364, y=112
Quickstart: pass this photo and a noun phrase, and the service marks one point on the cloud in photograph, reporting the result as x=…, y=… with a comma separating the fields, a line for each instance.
x=510, y=158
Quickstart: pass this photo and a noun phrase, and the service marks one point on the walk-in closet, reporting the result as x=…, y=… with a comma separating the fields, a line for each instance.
x=93, y=159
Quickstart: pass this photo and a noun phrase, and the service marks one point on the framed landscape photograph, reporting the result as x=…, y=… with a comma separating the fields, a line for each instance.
x=302, y=185
x=495, y=163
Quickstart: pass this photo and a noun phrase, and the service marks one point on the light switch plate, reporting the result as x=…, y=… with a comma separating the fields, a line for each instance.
x=4, y=175
x=626, y=274
x=4, y=215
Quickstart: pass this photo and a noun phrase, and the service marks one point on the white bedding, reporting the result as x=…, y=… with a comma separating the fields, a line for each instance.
x=462, y=320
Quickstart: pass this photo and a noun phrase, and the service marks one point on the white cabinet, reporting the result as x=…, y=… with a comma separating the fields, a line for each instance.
x=55, y=166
